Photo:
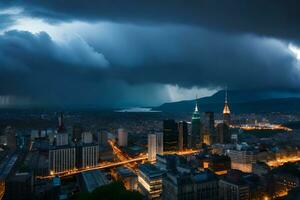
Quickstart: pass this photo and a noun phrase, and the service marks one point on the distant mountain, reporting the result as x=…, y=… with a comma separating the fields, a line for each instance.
x=240, y=102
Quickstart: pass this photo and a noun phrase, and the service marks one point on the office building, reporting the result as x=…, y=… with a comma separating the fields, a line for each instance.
x=196, y=128
x=208, y=130
x=87, y=137
x=183, y=135
x=122, y=137
x=202, y=186
x=151, y=147
x=233, y=186
x=61, y=159
x=223, y=133
x=242, y=159
x=159, y=143
x=170, y=133
x=19, y=187
x=87, y=155
x=150, y=181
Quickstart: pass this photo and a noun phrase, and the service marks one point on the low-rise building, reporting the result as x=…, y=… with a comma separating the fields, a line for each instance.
x=150, y=181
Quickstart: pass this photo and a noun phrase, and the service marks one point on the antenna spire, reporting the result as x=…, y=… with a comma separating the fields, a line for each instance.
x=196, y=107
x=226, y=94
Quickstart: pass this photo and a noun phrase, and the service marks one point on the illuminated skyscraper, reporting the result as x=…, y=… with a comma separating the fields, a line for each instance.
x=151, y=147
x=226, y=110
x=160, y=143
x=196, y=127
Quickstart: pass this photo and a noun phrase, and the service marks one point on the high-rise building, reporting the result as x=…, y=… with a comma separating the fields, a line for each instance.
x=87, y=137
x=87, y=155
x=223, y=133
x=170, y=131
x=159, y=143
x=196, y=128
x=226, y=111
x=19, y=187
x=183, y=135
x=61, y=159
x=151, y=147
x=150, y=181
x=208, y=130
x=122, y=137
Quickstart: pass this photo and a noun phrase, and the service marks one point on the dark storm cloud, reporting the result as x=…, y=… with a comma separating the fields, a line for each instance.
x=273, y=18
x=190, y=56
x=145, y=45
x=36, y=68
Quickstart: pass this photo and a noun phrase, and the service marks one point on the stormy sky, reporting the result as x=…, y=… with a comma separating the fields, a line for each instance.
x=143, y=53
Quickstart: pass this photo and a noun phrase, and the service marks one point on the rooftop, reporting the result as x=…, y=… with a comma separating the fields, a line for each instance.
x=93, y=179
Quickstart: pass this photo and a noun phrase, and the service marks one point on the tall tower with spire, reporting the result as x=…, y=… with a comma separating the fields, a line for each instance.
x=226, y=110
x=196, y=127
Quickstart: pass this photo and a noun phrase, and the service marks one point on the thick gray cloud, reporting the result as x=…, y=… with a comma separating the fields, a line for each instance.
x=36, y=68
x=191, y=56
x=273, y=18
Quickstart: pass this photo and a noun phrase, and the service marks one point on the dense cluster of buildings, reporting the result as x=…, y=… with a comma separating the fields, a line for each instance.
x=202, y=158
x=197, y=133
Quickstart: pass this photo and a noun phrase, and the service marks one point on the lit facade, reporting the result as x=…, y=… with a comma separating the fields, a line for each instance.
x=150, y=181
x=61, y=159
x=196, y=128
x=242, y=160
x=90, y=156
x=159, y=143
x=151, y=147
